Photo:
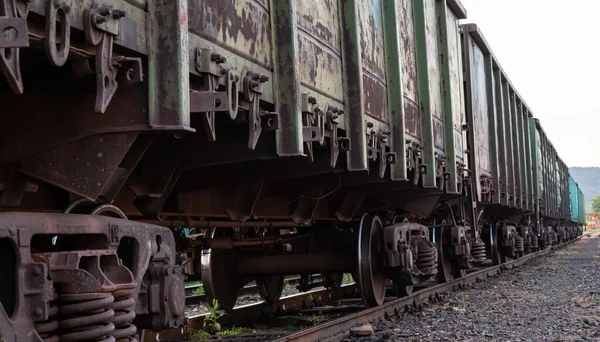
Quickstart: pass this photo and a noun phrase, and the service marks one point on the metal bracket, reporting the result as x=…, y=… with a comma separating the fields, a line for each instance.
x=314, y=120
x=14, y=36
x=101, y=24
x=58, y=8
x=337, y=144
x=377, y=147
x=258, y=121
x=208, y=62
x=209, y=102
x=133, y=69
x=14, y=33
x=385, y=157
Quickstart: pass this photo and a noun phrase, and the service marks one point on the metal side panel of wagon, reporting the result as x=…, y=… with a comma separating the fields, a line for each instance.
x=91, y=94
x=356, y=85
x=498, y=128
x=549, y=174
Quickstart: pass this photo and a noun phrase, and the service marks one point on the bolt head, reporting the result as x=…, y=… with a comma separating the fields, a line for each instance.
x=100, y=19
x=38, y=312
x=118, y=14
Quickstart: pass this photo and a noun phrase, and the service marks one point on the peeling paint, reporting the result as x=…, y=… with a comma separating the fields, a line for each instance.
x=409, y=68
x=240, y=26
x=319, y=46
x=373, y=58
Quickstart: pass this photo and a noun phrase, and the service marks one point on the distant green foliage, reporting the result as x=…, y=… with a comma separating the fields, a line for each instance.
x=596, y=204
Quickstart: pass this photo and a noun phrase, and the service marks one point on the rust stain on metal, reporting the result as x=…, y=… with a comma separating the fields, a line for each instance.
x=480, y=112
x=409, y=68
x=433, y=56
x=438, y=133
x=370, y=23
x=319, y=44
x=412, y=118
x=241, y=26
x=456, y=69
x=320, y=20
x=375, y=98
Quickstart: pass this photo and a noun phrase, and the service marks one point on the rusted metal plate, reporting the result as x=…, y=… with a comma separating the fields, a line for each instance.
x=370, y=24
x=319, y=45
x=456, y=80
x=480, y=108
x=240, y=26
x=412, y=117
x=83, y=167
x=438, y=133
x=433, y=55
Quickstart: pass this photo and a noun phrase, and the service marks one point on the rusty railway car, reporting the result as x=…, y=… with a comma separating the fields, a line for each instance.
x=149, y=142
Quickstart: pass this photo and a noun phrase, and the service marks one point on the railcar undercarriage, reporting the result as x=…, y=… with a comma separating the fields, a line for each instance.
x=86, y=277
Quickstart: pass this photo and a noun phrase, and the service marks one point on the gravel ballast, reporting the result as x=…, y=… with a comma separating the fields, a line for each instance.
x=552, y=298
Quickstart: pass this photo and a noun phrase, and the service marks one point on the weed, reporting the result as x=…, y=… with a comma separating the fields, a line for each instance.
x=199, y=335
x=309, y=302
x=461, y=303
x=214, y=313
x=198, y=291
x=347, y=279
x=233, y=331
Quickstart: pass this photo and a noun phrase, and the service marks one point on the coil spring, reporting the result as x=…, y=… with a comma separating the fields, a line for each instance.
x=48, y=329
x=124, y=315
x=519, y=243
x=534, y=241
x=86, y=317
x=478, y=251
x=426, y=257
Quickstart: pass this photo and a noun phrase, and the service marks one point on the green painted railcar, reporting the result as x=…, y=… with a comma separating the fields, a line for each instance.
x=373, y=137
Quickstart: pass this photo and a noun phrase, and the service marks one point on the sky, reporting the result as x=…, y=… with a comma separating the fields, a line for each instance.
x=550, y=50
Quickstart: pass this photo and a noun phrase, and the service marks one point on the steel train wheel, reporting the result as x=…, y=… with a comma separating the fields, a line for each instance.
x=83, y=206
x=444, y=275
x=371, y=279
x=218, y=280
x=270, y=287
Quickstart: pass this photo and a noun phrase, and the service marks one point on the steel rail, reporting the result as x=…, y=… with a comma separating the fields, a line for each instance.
x=246, y=315
x=339, y=328
x=191, y=299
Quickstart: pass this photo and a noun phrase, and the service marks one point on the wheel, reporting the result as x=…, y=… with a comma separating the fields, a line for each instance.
x=371, y=278
x=83, y=206
x=270, y=287
x=218, y=280
x=440, y=236
x=496, y=253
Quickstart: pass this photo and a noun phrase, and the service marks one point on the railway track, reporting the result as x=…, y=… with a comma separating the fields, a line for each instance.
x=334, y=330
x=191, y=298
x=337, y=328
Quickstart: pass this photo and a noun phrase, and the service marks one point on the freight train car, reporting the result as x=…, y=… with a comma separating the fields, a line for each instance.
x=372, y=137
x=577, y=205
